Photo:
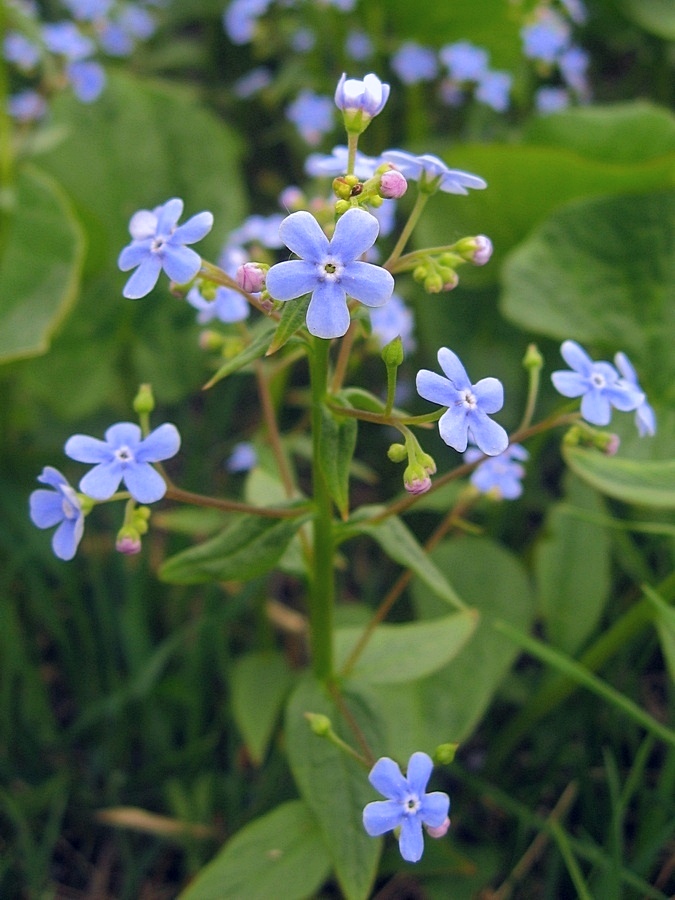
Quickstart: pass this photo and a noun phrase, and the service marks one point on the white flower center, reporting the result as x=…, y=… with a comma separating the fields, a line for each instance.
x=124, y=455
x=468, y=399
x=411, y=804
x=598, y=381
x=330, y=269
x=158, y=244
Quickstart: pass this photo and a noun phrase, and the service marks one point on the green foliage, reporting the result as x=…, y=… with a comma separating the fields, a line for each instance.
x=639, y=482
x=259, y=684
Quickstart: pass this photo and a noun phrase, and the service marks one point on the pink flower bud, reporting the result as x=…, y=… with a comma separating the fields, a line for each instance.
x=483, y=250
x=393, y=185
x=451, y=283
x=128, y=544
x=251, y=277
x=416, y=480
x=612, y=446
x=440, y=830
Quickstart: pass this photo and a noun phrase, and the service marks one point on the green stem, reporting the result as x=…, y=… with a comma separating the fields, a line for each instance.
x=322, y=588
x=408, y=228
x=352, y=144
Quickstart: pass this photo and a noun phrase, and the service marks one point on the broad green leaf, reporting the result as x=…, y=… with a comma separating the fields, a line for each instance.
x=40, y=267
x=525, y=184
x=279, y=854
x=248, y=548
x=656, y=16
x=252, y=351
x=401, y=653
x=572, y=567
x=641, y=482
x=602, y=271
x=292, y=317
x=333, y=785
x=259, y=683
x=360, y=398
x=619, y=133
x=399, y=543
x=664, y=619
x=337, y=442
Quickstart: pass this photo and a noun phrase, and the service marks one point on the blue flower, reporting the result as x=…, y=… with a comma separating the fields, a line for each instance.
x=125, y=456
x=330, y=270
x=501, y=474
x=367, y=96
x=464, y=61
x=312, y=115
x=468, y=405
x=432, y=173
x=597, y=383
x=65, y=39
x=159, y=244
x=414, y=63
x=60, y=506
x=243, y=457
x=228, y=305
x=393, y=320
x=408, y=807
x=26, y=106
x=20, y=51
x=318, y=164
x=87, y=79
x=645, y=418
x=547, y=37
x=493, y=89
x=551, y=99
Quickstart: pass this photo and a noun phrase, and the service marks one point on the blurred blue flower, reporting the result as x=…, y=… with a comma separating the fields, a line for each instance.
x=645, y=418
x=26, y=106
x=358, y=46
x=87, y=79
x=20, y=51
x=159, y=243
x=573, y=65
x=464, y=61
x=125, y=456
x=493, y=89
x=228, y=305
x=408, y=806
x=313, y=115
x=330, y=270
x=597, y=383
x=241, y=17
x=551, y=99
x=260, y=230
x=88, y=10
x=59, y=506
x=394, y=319
x=547, y=37
x=432, y=173
x=66, y=39
x=318, y=164
x=501, y=474
x=252, y=83
x=243, y=457
x=413, y=63
x=468, y=405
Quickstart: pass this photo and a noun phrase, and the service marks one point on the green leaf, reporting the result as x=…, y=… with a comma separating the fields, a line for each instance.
x=40, y=268
x=337, y=443
x=656, y=16
x=252, y=351
x=279, y=852
x=620, y=133
x=572, y=593
x=292, y=317
x=259, y=683
x=602, y=271
x=360, y=398
x=248, y=548
x=664, y=619
x=641, y=482
x=400, y=653
x=334, y=785
x=398, y=542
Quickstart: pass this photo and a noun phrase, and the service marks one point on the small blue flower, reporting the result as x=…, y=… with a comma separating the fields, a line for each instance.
x=20, y=51
x=318, y=164
x=597, y=383
x=645, y=419
x=408, y=807
x=60, y=506
x=501, y=474
x=358, y=46
x=66, y=39
x=241, y=18
x=243, y=457
x=414, y=63
x=313, y=115
x=87, y=79
x=464, y=61
x=547, y=37
x=468, y=405
x=393, y=320
x=125, y=456
x=158, y=243
x=330, y=270
x=551, y=99
x=228, y=305
x=26, y=106
x=432, y=174
x=367, y=96
x=493, y=89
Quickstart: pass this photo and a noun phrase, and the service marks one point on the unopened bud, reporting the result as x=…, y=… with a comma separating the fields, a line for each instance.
x=440, y=831
x=128, y=541
x=427, y=462
x=444, y=754
x=392, y=353
x=533, y=358
x=342, y=188
x=342, y=206
x=433, y=283
x=608, y=443
x=397, y=453
x=476, y=250
x=144, y=402
x=450, y=279
x=416, y=480
x=251, y=277
x=320, y=724
x=393, y=185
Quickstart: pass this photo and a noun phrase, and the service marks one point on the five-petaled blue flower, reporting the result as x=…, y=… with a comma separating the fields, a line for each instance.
x=597, y=383
x=432, y=174
x=468, y=405
x=368, y=95
x=408, y=806
x=159, y=243
x=330, y=270
x=645, y=419
x=125, y=456
x=499, y=474
x=60, y=506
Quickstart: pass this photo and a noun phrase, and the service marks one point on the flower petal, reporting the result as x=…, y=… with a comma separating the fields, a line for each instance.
x=144, y=278
x=386, y=777
x=162, y=443
x=328, y=314
x=291, y=279
x=53, y=477
x=102, y=481
x=595, y=408
x=194, y=229
x=356, y=231
x=123, y=434
x=180, y=263
x=453, y=368
x=434, y=808
x=411, y=841
x=66, y=538
x=303, y=236
x=488, y=435
x=133, y=255
x=576, y=357
x=623, y=397
x=454, y=428
x=167, y=215
x=46, y=508
x=381, y=816
x=419, y=771
x=569, y=384
x=86, y=449
x=435, y=387
x=143, y=483
x=367, y=283
x=490, y=394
